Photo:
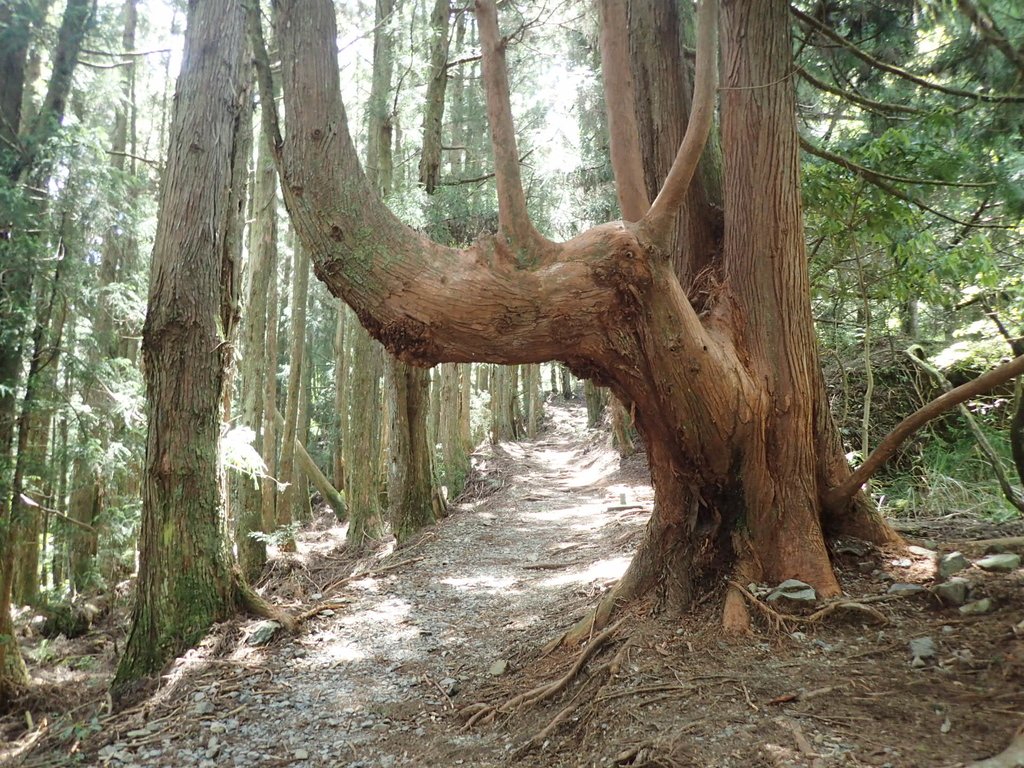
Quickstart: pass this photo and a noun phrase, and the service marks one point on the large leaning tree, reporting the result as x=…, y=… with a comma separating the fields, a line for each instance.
x=695, y=309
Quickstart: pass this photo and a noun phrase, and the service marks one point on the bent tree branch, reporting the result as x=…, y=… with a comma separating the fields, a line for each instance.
x=841, y=494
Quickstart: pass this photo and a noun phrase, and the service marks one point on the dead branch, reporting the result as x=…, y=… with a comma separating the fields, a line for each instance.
x=915, y=354
x=841, y=494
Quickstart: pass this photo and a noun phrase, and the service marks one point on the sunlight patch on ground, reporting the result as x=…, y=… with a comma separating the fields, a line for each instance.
x=592, y=474
x=591, y=516
x=493, y=584
x=612, y=568
x=393, y=611
x=340, y=651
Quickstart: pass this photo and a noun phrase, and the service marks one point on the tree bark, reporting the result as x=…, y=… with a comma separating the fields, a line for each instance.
x=433, y=112
x=726, y=387
x=185, y=583
x=289, y=501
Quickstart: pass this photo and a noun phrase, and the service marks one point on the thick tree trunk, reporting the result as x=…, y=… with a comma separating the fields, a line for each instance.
x=725, y=385
x=184, y=582
x=410, y=478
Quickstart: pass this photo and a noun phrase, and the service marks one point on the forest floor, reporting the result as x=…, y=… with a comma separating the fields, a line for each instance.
x=406, y=641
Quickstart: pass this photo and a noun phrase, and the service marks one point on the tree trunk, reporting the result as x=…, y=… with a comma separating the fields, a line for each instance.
x=362, y=443
x=34, y=434
x=303, y=502
x=88, y=487
x=596, y=398
x=433, y=113
x=19, y=161
x=252, y=551
x=185, y=583
x=289, y=500
x=725, y=382
x=455, y=458
x=340, y=396
x=410, y=477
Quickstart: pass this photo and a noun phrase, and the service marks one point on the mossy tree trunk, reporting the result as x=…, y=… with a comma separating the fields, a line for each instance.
x=185, y=582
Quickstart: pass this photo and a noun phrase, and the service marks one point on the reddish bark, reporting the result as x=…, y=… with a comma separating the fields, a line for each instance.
x=727, y=389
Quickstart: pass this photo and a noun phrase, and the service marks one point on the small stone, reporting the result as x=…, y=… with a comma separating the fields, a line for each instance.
x=922, y=647
x=978, y=607
x=327, y=611
x=301, y=754
x=793, y=589
x=917, y=662
x=950, y=563
x=262, y=633
x=450, y=686
x=217, y=727
x=202, y=708
x=498, y=668
x=1001, y=563
x=900, y=588
x=920, y=551
x=137, y=734
x=952, y=592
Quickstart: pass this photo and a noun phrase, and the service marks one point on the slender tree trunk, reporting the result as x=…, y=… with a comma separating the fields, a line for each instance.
x=289, y=501
x=410, y=477
x=34, y=433
x=450, y=425
x=340, y=395
x=303, y=502
x=433, y=113
x=19, y=161
x=362, y=443
x=596, y=398
x=117, y=257
x=184, y=582
x=252, y=550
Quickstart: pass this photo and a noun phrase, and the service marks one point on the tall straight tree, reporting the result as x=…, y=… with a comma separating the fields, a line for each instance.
x=185, y=582
x=726, y=385
x=20, y=162
x=87, y=485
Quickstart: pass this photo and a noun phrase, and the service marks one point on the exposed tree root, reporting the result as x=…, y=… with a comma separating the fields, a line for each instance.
x=256, y=605
x=779, y=620
x=735, y=616
x=584, y=629
x=481, y=714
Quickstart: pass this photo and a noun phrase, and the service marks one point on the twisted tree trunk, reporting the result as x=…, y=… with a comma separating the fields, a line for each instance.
x=701, y=320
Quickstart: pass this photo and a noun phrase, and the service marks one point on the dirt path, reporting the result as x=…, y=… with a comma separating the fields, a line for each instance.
x=377, y=680
x=373, y=682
